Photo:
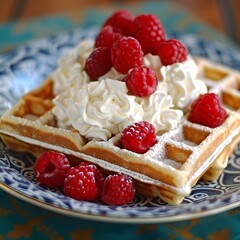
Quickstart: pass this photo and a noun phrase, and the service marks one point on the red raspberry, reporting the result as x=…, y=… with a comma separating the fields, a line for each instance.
x=126, y=54
x=107, y=37
x=122, y=20
x=206, y=110
x=99, y=177
x=83, y=182
x=172, y=51
x=98, y=63
x=50, y=168
x=118, y=190
x=139, y=137
x=141, y=81
x=149, y=32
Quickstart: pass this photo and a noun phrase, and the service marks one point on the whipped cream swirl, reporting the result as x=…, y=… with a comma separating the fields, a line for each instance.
x=71, y=68
x=158, y=110
x=102, y=109
x=183, y=86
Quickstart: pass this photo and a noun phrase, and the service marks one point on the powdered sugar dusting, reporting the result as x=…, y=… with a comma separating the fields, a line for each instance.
x=150, y=156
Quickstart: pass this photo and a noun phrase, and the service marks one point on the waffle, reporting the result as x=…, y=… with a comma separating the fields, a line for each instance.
x=221, y=80
x=169, y=169
x=225, y=82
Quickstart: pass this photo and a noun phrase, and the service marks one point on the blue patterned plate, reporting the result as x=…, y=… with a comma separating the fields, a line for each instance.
x=25, y=68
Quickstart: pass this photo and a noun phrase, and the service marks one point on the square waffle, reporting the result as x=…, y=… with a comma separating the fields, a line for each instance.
x=169, y=169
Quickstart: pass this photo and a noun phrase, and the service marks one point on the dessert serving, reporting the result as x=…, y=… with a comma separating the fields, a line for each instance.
x=130, y=111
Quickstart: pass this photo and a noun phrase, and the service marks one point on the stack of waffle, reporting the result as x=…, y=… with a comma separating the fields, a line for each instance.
x=169, y=169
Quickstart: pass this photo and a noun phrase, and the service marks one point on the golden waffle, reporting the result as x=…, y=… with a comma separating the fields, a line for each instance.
x=226, y=83
x=31, y=117
x=221, y=80
x=169, y=169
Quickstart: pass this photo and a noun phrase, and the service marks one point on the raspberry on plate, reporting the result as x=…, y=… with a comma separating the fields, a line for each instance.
x=122, y=20
x=83, y=182
x=171, y=51
x=138, y=137
x=107, y=37
x=149, y=32
x=118, y=190
x=98, y=63
x=99, y=177
x=207, y=110
x=126, y=54
x=50, y=168
x=141, y=81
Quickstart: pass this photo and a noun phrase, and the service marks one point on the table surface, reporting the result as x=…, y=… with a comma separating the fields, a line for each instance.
x=21, y=220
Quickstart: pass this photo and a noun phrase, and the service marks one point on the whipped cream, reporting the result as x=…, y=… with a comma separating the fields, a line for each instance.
x=158, y=109
x=98, y=110
x=153, y=62
x=71, y=68
x=182, y=84
x=112, y=74
x=104, y=108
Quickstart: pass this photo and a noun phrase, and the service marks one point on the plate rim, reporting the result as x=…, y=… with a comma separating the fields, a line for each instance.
x=116, y=219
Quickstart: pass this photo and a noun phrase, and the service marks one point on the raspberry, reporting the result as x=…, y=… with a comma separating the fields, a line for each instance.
x=99, y=177
x=122, y=20
x=126, y=54
x=118, y=190
x=98, y=63
x=149, y=32
x=141, y=81
x=172, y=51
x=50, y=168
x=107, y=37
x=206, y=110
x=139, y=137
x=83, y=182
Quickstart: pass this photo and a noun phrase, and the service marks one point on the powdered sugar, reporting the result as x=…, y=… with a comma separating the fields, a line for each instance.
x=156, y=156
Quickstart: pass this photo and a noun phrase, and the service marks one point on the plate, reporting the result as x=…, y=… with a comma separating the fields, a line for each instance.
x=27, y=66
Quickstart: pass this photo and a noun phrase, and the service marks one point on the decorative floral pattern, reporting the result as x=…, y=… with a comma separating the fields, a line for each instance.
x=27, y=66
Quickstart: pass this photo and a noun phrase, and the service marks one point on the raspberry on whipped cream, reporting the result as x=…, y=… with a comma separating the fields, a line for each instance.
x=99, y=113
x=103, y=108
